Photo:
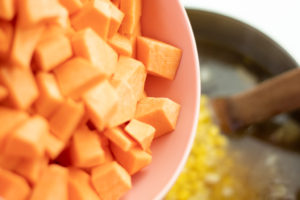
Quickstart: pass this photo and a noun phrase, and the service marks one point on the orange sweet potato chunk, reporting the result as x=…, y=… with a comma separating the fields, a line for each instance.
x=31, y=169
x=53, y=184
x=7, y=124
x=20, y=84
x=116, y=19
x=6, y=36
x=86, y=150
x=76, y=76
x=161, y=113
x=24, y=42
x=119, y=138
x=66, y=119
x=50, y=97
x=87, y=44
x=159, y=58
x=111, y=181
x=121, y=44
x=101, y=102
x=132, y=160
x=133, y=72
x=80, y=186
x=53, y=146
x=12, y=186
x=27, y=141
x=132, y=10
x=95, y=14
x=126, y=107
x=52, y=51
x=3, y=93
x=72, y=5
x=141, y=132
x=7, y=9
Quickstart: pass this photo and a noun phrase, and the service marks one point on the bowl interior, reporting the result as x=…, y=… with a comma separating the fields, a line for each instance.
x=167, y=21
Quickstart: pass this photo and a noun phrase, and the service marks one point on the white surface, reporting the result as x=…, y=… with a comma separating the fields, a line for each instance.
x=279, y=19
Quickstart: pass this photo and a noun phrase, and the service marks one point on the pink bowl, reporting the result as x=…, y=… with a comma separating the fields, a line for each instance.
x=167, y=21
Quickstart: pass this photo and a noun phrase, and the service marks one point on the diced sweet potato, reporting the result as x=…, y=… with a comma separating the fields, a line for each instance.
x=111, y=181
x=20, y=84
x=95, y=14
x=66, y=119
x=116, y=19
x=52, y=51
x=87, y=44
x=119, y=138
x=12, y=186
x=50, y=97
x=121, y=44
x=7, y=9
x=126, y=107
x=27, y=141
x=31, y=168
x=24, y=42
x=72, y=5
x=132, y=71
x=7, y=124
x=77, y=76
x=101, y=103
x=80, y=186
x=141, y=132
x=86, y=150
x=6, y=36
x=159, y=58
x=132, y=10
x=3, y=93
x=132, y=160
x=53, y=146
x=53, y=184
x=161, y=113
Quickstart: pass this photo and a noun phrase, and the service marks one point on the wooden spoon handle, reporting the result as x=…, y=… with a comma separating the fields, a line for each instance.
x=277, y=95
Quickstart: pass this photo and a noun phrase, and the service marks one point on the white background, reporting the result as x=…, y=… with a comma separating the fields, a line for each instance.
x=279, y=19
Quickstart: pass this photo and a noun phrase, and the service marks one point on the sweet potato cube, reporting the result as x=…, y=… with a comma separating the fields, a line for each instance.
x=87, y=44
x=72, y=5
x=86, y=150
x=7, y=9
x=80, y=186
x=66, y=119
x=53, y=51
x=24, y=42
x=111, y=181
x=141, y=132
x=119, y=138
x=3, y=93
x=126, y=107
x=76, y=76
x=31, y=169
x=121, y=44
x=95, y=14
x=20, y=84
x=53, y=184
x=116, y=19
x=101, y=102
x=159, y=58
x=7, y=124
x=6, y=36
x=132, y=160
x=31, y=12
x=27, y=140
x=132, y=10
x=132, y=71
x=161, y=113
x=53, y=146
x=10, y=183
x=50, y=97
